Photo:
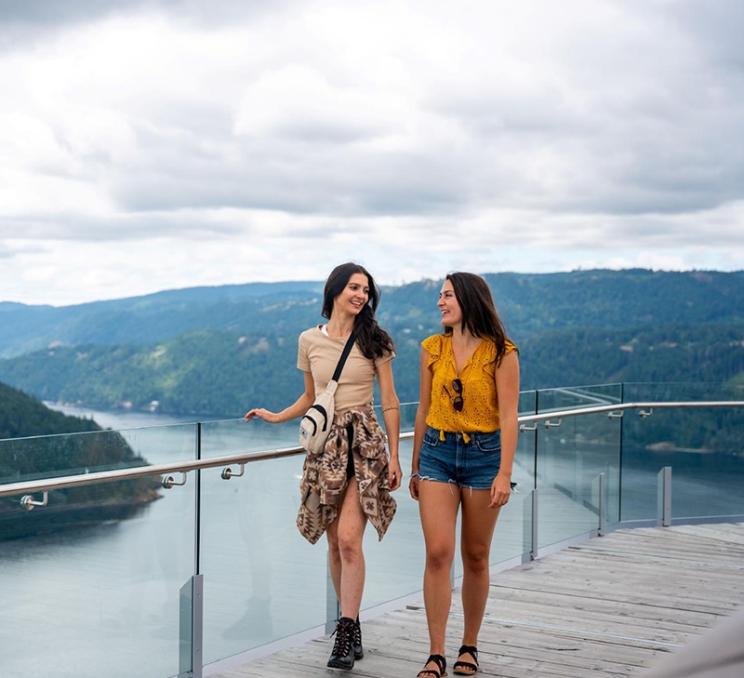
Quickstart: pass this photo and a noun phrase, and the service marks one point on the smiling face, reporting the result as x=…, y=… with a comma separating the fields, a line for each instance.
x=354, y=296
x=448, y=305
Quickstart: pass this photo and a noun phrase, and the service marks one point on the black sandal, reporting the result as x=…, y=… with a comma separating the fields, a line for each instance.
x=439, y=672
x=472, y=667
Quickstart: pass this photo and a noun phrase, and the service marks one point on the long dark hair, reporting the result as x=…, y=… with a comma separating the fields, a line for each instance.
x=373, y=341
x=479, y=314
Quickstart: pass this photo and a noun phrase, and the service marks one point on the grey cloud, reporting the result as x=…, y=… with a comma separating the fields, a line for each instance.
x=11, y=252
x=667, y=142
x=43, y=13
x=323, y=182
x=133, y=226
x=717, y=25
x=23, y=22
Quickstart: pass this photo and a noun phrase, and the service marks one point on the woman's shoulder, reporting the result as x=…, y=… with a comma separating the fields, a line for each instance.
x=433, y=344
x=311, y=334
x=490, y=352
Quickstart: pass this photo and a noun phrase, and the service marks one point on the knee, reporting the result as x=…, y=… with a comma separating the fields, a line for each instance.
x=333, y=553
x=475, y=559
x=439, y=558
x=349, y=548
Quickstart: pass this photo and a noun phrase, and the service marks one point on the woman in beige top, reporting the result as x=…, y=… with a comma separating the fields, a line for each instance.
x=350, y=299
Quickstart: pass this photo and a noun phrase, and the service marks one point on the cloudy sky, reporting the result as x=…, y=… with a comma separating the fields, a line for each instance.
x=152, y=144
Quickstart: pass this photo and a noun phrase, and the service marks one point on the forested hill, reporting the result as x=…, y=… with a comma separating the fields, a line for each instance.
x=529, y=303
x=152, y=317
x=33, y=458
x=22, y=415
x=579, y=327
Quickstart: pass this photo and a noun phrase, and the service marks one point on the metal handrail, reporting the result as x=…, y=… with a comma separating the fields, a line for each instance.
x=50, y=484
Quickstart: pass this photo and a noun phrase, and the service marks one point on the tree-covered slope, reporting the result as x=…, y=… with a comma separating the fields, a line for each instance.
x=85, y=449
x=578, y=327
x=530, y=304
x=22, y=415
x=221, y=373
x=153, y=317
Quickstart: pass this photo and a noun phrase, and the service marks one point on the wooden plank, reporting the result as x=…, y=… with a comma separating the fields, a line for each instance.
x=602, y=609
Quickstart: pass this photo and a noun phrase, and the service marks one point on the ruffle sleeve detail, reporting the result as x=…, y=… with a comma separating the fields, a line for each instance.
x=433, y=346
x=489, y=351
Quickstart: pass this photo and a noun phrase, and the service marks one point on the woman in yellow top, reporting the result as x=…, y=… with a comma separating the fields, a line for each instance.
x=463, y=450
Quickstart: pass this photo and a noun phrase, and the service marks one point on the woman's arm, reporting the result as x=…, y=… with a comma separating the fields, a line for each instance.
x=507, y=388
x=391, y=415
x=422, y=412
x=296, y=409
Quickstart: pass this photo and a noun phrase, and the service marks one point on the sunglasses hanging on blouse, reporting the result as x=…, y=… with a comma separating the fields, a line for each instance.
x=457, y=402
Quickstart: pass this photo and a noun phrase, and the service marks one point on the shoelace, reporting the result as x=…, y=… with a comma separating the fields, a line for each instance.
x=342, y=645
x=357, y=634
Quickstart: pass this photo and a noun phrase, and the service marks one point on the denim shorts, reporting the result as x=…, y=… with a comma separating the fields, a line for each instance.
x=473, y=464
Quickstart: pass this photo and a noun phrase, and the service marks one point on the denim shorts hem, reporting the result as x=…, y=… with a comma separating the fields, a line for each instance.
x=448, y=458
x=452, y=481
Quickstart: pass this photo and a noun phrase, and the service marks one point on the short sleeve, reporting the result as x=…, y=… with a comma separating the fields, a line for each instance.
x=433, y=346
x=385, y=358
x=303, y=361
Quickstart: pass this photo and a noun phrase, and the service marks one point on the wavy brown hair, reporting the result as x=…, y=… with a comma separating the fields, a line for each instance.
x=479, y=314
x=373, y=341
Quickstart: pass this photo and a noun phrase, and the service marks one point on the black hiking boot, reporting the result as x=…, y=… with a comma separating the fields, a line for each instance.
x=342, y=656
x=357, y=640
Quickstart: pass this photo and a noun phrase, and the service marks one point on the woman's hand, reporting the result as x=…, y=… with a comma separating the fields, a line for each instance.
x=413, y=486
x=394, y=474
x=500, y=491
x=261, y=413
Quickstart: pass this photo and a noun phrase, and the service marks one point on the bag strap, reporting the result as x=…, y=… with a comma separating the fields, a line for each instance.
x=344, y=356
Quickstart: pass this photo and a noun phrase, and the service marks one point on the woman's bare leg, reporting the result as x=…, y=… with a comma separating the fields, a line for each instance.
x=438, y=505
x=478, y=522
x=345, y=555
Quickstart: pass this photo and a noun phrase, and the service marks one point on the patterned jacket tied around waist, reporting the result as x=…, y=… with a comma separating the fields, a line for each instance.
x=324, y=475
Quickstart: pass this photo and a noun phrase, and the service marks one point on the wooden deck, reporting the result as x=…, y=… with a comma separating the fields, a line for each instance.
x=607, y=607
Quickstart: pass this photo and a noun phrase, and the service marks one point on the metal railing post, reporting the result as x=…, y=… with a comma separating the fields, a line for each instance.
x=529, y=534
x=620, y=459
x=664, y=497
x=601, y=481
x=190, y=628
x=197, y=502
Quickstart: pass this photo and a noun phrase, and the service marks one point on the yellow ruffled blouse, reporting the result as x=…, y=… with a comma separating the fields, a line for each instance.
x=480, y=410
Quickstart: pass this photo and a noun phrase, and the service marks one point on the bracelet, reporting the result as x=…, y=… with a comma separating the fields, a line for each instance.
x=416, y=474
x=392, y=407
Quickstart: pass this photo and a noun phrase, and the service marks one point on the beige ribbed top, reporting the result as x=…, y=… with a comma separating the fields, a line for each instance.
x=318, y=354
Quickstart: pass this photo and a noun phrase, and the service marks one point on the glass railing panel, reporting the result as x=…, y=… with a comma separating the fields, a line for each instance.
x=703, y=447
x=678, y=391
x=262, y=580
x=570, y=458
x=93, y=578
x=395, y=565
x=407, y=419
x=508, y=539
x=527, y=402
x=572, y=397
x=237, y=436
